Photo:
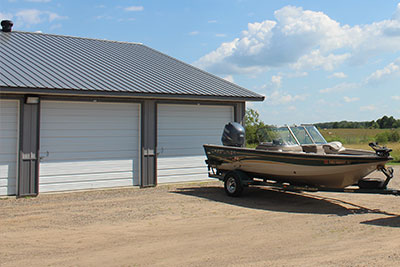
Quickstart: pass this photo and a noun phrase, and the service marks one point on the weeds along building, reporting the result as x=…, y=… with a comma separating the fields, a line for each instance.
x=79, y=113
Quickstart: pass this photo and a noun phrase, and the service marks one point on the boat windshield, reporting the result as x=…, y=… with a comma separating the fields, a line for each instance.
x=277, y=136
x=291, y=135
x=315, y=134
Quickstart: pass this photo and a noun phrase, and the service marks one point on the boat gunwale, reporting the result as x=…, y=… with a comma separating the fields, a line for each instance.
x=371, y=157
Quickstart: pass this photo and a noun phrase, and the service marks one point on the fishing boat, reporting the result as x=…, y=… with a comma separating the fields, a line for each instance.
x=297, y=155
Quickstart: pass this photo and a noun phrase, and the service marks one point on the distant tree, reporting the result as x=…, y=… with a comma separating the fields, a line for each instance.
x=252, y=124
x=373, y=125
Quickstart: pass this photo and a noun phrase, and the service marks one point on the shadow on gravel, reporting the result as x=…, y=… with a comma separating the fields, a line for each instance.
x=273, y=200
x=387, y=222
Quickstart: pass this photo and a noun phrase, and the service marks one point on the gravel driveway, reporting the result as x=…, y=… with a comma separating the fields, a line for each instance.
x=198, y=225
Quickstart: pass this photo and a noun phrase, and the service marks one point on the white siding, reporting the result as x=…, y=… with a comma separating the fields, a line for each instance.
x=8, y=146
x=182, y=131
x=89, y=145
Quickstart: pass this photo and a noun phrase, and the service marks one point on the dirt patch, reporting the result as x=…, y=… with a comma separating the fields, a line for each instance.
x=198, y=225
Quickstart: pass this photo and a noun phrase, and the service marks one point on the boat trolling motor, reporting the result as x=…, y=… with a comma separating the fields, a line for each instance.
x=233, y=135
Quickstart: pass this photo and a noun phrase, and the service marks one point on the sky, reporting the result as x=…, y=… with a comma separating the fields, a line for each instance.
x=314, y=61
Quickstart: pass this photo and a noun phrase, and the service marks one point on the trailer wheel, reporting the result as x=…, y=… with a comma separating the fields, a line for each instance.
x=232, y=184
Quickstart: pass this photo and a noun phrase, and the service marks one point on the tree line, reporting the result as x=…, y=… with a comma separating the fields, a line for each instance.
x=383, y=123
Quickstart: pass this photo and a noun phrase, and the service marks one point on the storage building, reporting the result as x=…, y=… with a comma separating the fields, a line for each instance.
x=79, y=113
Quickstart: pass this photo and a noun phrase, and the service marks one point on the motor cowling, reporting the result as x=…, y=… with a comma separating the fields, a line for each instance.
x=233, y=135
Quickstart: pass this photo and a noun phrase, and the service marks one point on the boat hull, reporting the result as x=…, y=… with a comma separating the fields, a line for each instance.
x=335, y=171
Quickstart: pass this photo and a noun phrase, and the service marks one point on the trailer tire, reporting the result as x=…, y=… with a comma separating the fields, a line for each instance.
x=233, y=184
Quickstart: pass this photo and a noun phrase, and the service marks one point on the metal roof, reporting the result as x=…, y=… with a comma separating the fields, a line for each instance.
x=49, y=63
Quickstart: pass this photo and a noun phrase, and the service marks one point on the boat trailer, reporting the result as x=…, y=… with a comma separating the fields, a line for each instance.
x=235, y=181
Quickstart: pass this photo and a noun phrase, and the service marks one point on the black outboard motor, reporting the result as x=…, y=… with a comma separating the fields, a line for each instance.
x=233, y=135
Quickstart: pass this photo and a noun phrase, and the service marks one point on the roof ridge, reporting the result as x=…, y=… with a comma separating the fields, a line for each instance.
x=76, y=37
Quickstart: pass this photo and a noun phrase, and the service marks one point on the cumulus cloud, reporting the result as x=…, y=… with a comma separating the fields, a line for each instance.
x=134, y=8
x=4, y=16
x=315, y=60
x=396, y=97
x=302, y=39
x=339, y=88
x=368, y=108
x=389, y=70
x=229, y=78
x=276, y=80
x=35, y=16
x=339, y=75
x=277, y=98
x=350, y=99
x=38, y=1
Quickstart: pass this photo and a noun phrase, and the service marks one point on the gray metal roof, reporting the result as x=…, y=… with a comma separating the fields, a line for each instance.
x=49, y=63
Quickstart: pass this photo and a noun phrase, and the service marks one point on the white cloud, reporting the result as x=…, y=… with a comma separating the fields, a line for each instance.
x=212, y=21
x=277, y=98
x=276, y=80
x=350, y=99
x=134, y=8
x=302, y=39
x=316, y=60
x=38, y=1
x=4, y=16
x=368, y=108
x=229, y=78
x=35, y=16
x=194, y=33
x=220, y=35
x=389, y=70
x=396, y=97
x=339, y=75
x=339, y=88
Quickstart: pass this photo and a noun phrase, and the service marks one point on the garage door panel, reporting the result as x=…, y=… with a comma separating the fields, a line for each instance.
x=90, y=177
x=185, y=162
x=89, y=145
x=97, y=155
x=85, y=166
x=185, y=177
x=84, y=185
x=85, y=143
x=181, y=131
x=9, y=113
x=69, y=133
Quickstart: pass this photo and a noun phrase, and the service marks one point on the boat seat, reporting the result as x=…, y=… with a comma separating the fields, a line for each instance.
x=333, y=148
x=317, y=149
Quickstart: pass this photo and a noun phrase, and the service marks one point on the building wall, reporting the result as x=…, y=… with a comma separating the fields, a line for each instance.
x=29, y=154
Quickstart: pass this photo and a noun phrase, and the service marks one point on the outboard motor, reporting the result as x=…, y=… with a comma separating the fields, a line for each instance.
x=233, y=135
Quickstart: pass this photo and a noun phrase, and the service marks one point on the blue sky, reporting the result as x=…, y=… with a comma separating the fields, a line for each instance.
x=314, y=60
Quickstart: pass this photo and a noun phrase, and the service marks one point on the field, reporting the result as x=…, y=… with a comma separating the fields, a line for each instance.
x=359, y=138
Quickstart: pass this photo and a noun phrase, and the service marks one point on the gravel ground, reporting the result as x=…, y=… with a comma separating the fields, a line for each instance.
x=198, y=225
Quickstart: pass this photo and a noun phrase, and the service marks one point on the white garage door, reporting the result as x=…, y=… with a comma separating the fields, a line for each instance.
x=182, y=131
x=8, y=146
x=88, y=145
